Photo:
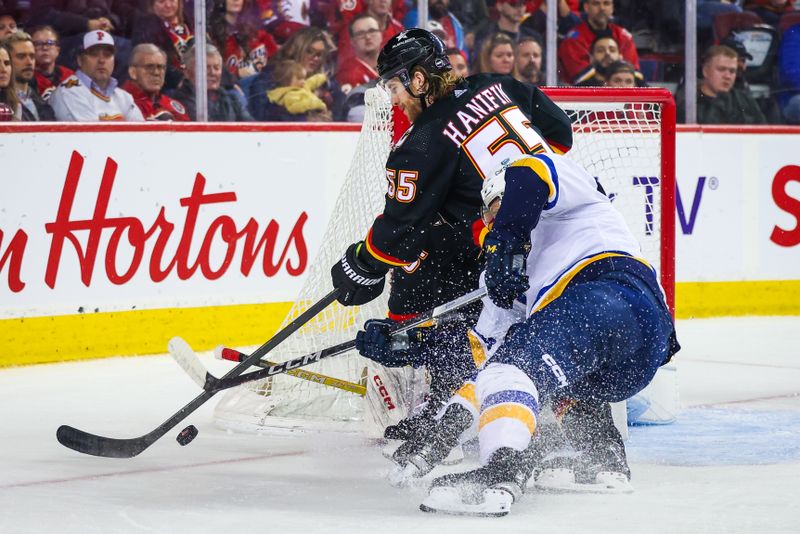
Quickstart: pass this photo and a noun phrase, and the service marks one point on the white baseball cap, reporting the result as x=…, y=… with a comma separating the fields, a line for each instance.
x=96, y=38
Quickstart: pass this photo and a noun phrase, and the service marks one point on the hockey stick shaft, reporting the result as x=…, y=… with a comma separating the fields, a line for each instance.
x=302, y=361
x=236, y=356
x=95, y=445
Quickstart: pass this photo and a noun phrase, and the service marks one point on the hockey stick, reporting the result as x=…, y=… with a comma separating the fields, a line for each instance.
x=87, y=443
x=227, y=381
x=183, y=354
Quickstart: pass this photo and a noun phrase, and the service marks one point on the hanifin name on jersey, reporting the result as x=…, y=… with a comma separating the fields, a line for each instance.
x=482, y=104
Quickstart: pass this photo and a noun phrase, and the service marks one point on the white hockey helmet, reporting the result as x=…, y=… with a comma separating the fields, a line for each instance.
x=494, y=186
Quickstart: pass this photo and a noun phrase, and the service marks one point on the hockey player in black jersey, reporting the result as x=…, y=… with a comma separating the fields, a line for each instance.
x=461, y=129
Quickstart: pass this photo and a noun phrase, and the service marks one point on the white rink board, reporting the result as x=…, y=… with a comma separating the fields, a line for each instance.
x=731, y=181
x=263, y=176
x=280, y=175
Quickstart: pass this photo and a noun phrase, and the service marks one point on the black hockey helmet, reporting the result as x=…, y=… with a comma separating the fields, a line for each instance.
x=411, y=48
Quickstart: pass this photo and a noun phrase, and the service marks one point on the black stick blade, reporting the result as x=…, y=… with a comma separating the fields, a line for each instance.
x=86, y=443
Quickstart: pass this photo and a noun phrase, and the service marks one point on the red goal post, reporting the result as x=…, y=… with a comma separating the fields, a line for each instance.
x=660, y=104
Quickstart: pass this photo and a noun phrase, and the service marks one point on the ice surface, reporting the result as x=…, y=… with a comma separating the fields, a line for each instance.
x=731, y=463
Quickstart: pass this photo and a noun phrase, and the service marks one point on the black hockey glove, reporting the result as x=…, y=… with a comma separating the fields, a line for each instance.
x=505, y=270
x=375, y=343
x=359, y=283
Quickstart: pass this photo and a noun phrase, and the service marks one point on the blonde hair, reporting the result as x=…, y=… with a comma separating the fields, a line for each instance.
x=286, y=70
x=488, y=46
x=299, y=42
x=439, y=85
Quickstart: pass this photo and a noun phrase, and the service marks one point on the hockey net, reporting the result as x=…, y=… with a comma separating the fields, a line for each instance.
x=623, y=137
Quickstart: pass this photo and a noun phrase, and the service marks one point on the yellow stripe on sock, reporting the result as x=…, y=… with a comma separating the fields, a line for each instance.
x=509, y=410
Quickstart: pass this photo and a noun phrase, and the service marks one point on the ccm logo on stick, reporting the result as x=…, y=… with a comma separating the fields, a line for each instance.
x=383, y=392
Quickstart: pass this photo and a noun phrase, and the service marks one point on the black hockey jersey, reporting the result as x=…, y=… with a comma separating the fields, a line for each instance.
x=436, y=169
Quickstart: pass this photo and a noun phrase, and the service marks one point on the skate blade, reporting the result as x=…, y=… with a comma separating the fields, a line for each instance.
x=563, y=481
x=443, y=500
x=388, y=449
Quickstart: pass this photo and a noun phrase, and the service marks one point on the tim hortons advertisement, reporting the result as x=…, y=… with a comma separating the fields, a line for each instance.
x=117, y=221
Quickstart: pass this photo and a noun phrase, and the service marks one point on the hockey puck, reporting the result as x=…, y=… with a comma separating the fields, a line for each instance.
x=187, y=435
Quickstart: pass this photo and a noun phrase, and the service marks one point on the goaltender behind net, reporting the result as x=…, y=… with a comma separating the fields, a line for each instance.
x=461, y=129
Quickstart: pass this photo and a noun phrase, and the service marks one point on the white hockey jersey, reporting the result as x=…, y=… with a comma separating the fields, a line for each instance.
x=78, y=99
x=577, y=227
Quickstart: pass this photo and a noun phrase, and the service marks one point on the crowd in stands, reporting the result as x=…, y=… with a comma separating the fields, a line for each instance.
x=312, y=60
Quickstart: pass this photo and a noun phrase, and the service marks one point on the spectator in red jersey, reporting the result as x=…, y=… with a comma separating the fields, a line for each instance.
x=360, y=68
x=574, y=51
x=770, y=11
x=234, y=29
x=528, y=55
x=8, y=24
x=497, y=55
x=164, y=26
x=10, y=108
x=146, y=72
x=458, y=59
x=49, y=74
x=382, y=11
x=23, y=60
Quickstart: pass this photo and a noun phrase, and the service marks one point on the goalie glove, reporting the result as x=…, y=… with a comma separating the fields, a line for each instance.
x=358, y=281
x=506, y=278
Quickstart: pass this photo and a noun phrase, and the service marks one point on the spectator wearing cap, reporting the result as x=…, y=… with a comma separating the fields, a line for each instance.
x=92, y=94
x=528, y=57
x=147, y=71
x=23, y=58
x=574, y=51
x=222, y=106
x=718, y=101
x=439, y=10
x=49, y=74
x=604, y=52
x=365, y=34
x=8, y=24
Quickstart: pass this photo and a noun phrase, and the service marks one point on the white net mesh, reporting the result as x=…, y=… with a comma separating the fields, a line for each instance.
x=289, y=401
x=616, y=142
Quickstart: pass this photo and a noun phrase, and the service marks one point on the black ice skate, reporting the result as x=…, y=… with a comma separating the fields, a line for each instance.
x=487, y=492
x=601, y=465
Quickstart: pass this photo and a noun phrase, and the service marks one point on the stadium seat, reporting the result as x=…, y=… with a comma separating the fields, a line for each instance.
x=725, y=23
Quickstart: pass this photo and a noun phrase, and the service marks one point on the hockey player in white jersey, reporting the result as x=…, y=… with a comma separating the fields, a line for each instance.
x=596, y=331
